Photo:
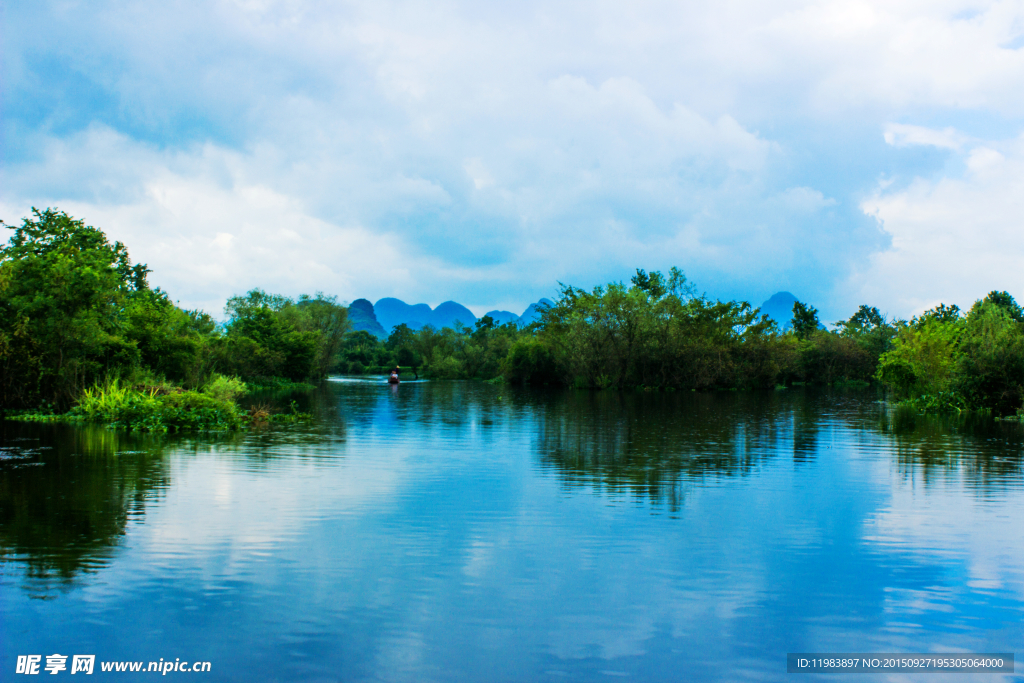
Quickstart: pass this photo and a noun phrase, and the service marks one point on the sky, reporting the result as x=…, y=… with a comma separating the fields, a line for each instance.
x=849, y=152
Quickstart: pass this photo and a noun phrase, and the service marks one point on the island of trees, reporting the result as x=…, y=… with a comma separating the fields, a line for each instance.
x=83, y=335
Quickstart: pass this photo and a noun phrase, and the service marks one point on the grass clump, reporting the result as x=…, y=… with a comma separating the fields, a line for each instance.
x=155, y=410
x=161, y=407
x=262, y=415
x=225, y=388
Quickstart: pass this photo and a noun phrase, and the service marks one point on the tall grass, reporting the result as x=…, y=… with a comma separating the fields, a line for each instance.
x=156, y=410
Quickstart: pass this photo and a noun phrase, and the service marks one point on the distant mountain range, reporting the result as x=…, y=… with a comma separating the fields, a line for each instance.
x=380, y=318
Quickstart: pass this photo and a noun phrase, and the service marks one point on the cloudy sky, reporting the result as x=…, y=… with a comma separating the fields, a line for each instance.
x=849, y=152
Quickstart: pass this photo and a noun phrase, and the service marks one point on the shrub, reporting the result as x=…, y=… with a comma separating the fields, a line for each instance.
x=225, y=388
x=529, y=361
x=447, y=367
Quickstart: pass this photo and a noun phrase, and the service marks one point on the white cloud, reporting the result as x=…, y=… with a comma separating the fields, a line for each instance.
x=487, y=151
x=209, y=232
x=903, y=135
x=954, y=239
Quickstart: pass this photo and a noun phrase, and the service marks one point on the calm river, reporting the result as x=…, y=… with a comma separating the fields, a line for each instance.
x=457, y=531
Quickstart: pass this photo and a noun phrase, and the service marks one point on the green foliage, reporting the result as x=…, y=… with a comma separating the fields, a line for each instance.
x=446, y=366
x=923, y=355
x=270, y=336
x=658, y=335
x=177, y=344
x=448, y=353
x=805, y=320
x=1004, y=301
x=942, y=361
x=125, y=406
x=990, y=363
x=654, y=284
x=530, y=361
x=81, y=329
x=74, y=310
x=64, y=296
x=826, y=358
x=225, y=388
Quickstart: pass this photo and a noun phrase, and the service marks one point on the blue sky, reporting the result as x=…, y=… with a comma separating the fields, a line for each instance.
x=849, y=152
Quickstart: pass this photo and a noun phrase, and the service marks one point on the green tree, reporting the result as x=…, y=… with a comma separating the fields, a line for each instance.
x=64, y=295
x=323, y=316
x=1006, y=302
x=264, y=339
x=805, y=320
x=990, y=363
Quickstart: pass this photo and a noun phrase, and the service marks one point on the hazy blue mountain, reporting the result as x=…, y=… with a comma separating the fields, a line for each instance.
x=532, y=313
x=503, y=317
x=779, y=308
x=391, y=312
x=449, y=313
x=380, y=318
x=361, y=315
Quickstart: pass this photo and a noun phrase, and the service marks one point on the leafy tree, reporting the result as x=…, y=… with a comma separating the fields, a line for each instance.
x=530, y=361
x=990, y=366
x=402, y=336
x=64, y=295
x=941, y=313
x=654, y=284
x=945, y=360
x=805, y=320
x=322, y=315
x=1006, y=302
x=265, y=339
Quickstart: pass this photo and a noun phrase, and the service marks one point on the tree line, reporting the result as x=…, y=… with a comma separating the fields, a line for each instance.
x=81, y=327
x=75, y=311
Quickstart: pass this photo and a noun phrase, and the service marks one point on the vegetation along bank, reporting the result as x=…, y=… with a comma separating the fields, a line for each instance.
x=83, y=336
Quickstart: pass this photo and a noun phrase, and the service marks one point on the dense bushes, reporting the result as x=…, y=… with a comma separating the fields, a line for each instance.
x=460, y=353
x=273, y=336
x=658, y=334
x=529, y=361
x=945, y=360
x=655, y=334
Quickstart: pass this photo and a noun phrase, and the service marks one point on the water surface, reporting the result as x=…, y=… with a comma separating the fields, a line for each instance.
x=456, y=531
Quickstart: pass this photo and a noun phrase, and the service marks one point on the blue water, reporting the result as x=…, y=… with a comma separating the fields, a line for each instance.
x=456, y=531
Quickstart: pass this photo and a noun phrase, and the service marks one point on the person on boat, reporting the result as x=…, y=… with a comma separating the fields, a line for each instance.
x=393, y=379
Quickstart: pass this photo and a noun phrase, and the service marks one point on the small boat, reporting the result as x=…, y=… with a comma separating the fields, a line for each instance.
x=393, y=379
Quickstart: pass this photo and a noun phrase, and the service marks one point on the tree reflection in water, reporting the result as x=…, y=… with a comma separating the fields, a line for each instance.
x=64, y=507
x=648, y=445
x=68, y=495
x=651, y=446
x=985, y=453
